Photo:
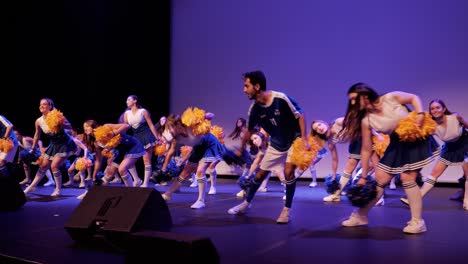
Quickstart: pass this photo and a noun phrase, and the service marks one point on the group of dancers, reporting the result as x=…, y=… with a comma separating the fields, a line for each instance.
x=273, y=138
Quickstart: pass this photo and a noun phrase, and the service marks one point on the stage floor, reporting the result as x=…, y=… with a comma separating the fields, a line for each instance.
x=36, y=232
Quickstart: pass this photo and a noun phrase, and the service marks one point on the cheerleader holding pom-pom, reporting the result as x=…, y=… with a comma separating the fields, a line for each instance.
x=192, y=129
x=405, y=155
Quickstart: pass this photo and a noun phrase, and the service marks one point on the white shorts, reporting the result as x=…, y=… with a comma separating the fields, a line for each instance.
x=274, y=160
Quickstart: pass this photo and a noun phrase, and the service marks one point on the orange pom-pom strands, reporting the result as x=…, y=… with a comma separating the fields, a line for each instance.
x=105, y=136
x=218, y=132
x=55, y=120
x=160, y=149
x=302, y=157
x=6, y=144
x=407, y=129
x=195, y=119
x=83, y=164
x=185, y=151
x=380, y=143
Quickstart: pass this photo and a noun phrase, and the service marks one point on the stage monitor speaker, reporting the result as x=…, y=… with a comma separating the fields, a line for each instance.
x=160, y=247
x=108, y=211
x=11, y=195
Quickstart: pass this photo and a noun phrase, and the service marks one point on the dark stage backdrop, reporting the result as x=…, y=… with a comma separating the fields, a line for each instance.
x=88, y=56
x=314, y=51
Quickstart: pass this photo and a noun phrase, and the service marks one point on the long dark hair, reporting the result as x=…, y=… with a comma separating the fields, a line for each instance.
x=354, y=115
x=439, y=101
x=238, y=129
x=90, y=140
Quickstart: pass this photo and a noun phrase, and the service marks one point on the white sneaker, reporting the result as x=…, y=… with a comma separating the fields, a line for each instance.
x=137, y=183
x=262, y=189
x=355, y=220
x=166, y=197
x=240, y=194
x=116, y=180
x=49, y=183
x=313, y=184
x=198, y=204
x=415, y=227
x=81, y=196
x=404, y=200
x=29, y=189
x=380, y=202
x=212, y=190
x=284, y=216
x=392, y=186
x=332, y=198
x=194, y=184
x=67, y=184
x=239, y=209
x=56, y=192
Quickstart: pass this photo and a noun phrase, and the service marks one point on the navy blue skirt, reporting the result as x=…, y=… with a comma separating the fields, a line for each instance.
x=455, y=153
x=401, y=156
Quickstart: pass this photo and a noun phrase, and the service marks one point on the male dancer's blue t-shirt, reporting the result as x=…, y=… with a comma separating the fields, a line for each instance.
x=279, y=120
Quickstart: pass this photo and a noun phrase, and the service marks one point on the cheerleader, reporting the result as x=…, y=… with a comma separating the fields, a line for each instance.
x=57, y=128
x=144, y=130
x=451, y=129
x=406, y=153
x=192, y=129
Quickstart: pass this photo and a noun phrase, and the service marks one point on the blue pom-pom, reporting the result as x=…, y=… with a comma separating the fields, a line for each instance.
x=332, y=185
x=245, y=183
x=361, y=195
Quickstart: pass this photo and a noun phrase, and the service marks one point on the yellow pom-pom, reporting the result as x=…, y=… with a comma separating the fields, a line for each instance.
x=185, y=151
x=380, y=143
x=195, y=119
x=6, y=144
x=202, y=128
x=218, y=132
x=301, y=157
x=55, y=120
x=408, y=131
x=83, y=164
x=160, y=149
x=109, y=154
x=105, y=136
x=192, y=116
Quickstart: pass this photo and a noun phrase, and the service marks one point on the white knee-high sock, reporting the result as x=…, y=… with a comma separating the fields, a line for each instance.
x=414, y=199
x=428, y=185
x=465, y=199
x=201, y=188
x=127, y=179
x=148, y=173
x=344, y=179
x=265, y=181
x=134, y=173
x=58, y=179
x=213, y=175
x=313, y=174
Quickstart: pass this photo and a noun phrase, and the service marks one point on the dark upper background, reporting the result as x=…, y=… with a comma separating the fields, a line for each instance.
x=88, y=56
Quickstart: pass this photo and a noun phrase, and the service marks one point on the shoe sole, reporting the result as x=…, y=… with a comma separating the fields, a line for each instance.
x=403, y=202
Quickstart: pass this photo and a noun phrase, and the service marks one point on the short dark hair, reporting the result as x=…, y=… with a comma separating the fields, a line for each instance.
x=256, y=77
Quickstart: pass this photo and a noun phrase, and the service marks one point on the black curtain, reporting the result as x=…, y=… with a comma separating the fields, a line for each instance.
x=88, y=56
